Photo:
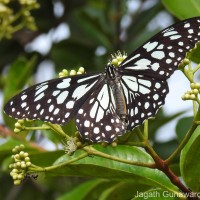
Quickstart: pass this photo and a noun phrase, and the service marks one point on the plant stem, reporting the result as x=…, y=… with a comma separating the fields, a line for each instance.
x=140, y=135
x=185, y=140
x=182, y=144
x=35, y=168
x=146, y=129
x=91, y=151
x=58, y=130
x=163, y=166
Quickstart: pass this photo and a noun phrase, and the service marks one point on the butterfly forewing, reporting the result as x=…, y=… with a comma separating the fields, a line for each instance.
x=144, y=72
x=97, y=119
x=162, y=54
x=55, y=101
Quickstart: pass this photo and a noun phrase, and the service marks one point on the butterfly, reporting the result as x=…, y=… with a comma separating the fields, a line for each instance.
x=106, y=105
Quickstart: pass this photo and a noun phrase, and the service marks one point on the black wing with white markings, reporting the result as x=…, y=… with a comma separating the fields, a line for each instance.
x=144, y=72
x=143, y=96
x=55, y=101
x=161, y=55
x=97, y=119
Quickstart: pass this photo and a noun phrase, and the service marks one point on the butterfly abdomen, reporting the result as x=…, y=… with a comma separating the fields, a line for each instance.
x=113, y=79
x=119, y=98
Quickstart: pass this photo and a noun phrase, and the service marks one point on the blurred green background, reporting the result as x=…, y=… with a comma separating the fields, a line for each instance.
x=69, y=34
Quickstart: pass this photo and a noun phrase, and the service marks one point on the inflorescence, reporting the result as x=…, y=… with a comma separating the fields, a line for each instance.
x=20, y=165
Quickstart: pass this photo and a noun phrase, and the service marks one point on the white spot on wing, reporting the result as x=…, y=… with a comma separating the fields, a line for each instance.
x=70, y=104
x=94, y=110
x=103, y=97
x=64, y=84
x=51, y=108
x=132, y=58
x=158, y=54
x=140, y=64
x=155, y=66
x=56, y=111
x=175, y=37
x=86, y=78
x=87, y=123
x=168, y=33
x=24, y=105
x=40, y=96
x=108, y=128
x=187, y=25
x=81, y=90
x=62, y=97
x=96, y=130
x=41, y=89
x=131, y=82
x=56, y=92
x=190, y=31
x=23, y=97
x=100, y=114
x=150, y=46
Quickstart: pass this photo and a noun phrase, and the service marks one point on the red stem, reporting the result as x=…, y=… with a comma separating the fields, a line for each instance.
x=162, y=166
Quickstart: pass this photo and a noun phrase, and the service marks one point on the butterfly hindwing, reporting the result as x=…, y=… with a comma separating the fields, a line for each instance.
x=97, y=119
x=55, y=101
x=143, y=98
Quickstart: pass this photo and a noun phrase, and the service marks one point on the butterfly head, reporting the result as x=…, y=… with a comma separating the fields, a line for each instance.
x=110, y=71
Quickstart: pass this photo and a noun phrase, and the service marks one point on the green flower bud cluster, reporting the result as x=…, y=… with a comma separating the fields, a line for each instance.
x=193, y=93
x=118, y=58
x=184, y=62
x=19, y=125
x=12, y=21
x=32, y=3
x=20, y=165
x=72, y=72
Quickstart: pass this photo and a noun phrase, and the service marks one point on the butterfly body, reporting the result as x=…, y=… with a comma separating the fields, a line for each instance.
x=113, y=79
x=106, y=105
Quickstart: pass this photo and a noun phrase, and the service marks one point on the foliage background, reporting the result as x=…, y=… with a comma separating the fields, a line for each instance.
x=96, y=29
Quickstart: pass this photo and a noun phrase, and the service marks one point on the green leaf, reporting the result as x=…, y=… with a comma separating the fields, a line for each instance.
x=85, y=190
x=194, y=55
x=10, y=143
x=18, y=74
x=122, y=190
x=70, y=54
x=95, y=166
x=165, y=149
x=157, y=194
x=92, y=24
x=190, y=162
x=45, y=159
x=160, y=120
x=182, y=127
x=183, y=9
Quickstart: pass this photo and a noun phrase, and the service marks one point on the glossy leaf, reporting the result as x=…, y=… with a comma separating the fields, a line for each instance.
x=94, y=166
x=183, y=9
x=190, y=162
x=122, y=190
x=182, y=127
x=18, y=74
x=84, y=191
